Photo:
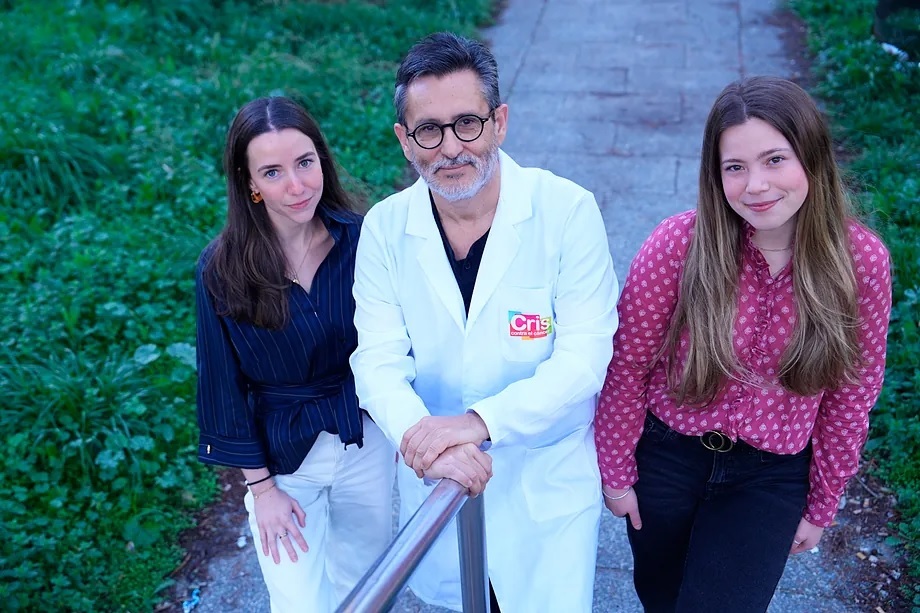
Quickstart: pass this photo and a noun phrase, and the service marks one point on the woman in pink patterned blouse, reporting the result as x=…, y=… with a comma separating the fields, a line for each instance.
x=750, y=350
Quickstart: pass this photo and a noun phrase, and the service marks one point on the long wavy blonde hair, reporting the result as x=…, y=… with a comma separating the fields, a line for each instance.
x=823, y=351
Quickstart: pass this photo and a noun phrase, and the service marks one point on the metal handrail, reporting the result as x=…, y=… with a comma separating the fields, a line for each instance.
x=380, y=586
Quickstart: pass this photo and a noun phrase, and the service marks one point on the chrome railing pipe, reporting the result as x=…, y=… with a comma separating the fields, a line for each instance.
x=474, y=568
x=380, y=586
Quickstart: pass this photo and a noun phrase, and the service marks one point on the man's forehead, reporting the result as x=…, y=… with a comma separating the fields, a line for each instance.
x=443, y=97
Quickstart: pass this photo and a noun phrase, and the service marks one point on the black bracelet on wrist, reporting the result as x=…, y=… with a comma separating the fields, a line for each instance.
x=251, y=483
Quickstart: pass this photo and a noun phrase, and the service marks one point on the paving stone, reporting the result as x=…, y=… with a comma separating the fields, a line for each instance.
x=613, y=549
x=410, y=603
x=757, y=11
x=688, y=179
x=726, y=14
x=568, y=136
x=617, y=174
x=600, y=81
x=615, y=593
x=619, y=16
x=632, y=54
x=697, y=81
x=651, y=109
x=607, y=3
x=757, y=41
x=681, y=139
x=630, y=218
x=695, y=106
x=684, y=31
x=571, y=32
x=727, y=55
x=786, y=602
x=763, y=52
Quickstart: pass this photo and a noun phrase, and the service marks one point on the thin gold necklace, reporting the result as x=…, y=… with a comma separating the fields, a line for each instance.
x=775, y=250
x=306, y=252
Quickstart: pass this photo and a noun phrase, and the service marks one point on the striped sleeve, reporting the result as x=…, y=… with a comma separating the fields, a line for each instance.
x=227, y=433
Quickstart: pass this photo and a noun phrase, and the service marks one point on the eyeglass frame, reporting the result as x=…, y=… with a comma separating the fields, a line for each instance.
x=453, y=126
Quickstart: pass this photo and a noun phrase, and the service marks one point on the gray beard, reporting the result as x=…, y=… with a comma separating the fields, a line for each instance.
x=485, y=166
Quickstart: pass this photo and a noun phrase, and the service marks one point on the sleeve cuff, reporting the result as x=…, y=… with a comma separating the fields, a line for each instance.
x=482, y=409
x=622, y=476
x=239, y=453
x=821, y=514
x=394, y=411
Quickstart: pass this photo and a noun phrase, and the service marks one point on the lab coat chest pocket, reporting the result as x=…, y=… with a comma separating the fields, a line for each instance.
x=526, y=323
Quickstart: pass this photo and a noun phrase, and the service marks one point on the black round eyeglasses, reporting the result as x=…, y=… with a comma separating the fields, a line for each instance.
x=467, y=128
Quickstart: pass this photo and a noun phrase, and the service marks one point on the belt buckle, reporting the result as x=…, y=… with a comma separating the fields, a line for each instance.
x=716, y=441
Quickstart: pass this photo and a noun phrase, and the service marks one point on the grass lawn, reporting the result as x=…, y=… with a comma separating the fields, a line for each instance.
x=873, y=101
x=114, y=116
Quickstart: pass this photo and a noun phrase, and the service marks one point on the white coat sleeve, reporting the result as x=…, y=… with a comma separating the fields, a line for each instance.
x=544, y=408
x=382, y=366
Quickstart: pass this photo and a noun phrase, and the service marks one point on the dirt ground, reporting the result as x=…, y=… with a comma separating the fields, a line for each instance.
x=857, y=543
x=215, y=534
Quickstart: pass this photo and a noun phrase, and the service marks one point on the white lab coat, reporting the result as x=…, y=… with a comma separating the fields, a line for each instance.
x=546, y=273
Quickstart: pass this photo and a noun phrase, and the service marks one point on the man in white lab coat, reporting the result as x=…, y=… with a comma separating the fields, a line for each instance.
x=485, y=313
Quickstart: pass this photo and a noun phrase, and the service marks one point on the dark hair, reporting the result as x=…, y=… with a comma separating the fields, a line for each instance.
x=824, y=348
x=441, y=54
x=245, y=267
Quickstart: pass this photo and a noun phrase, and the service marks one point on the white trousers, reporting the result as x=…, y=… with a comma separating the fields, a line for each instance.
x=347, y=496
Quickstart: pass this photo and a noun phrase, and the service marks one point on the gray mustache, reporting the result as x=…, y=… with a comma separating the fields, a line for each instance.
x=460, y=159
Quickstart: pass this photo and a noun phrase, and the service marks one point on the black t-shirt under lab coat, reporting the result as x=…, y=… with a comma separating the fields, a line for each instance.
x=465, y=270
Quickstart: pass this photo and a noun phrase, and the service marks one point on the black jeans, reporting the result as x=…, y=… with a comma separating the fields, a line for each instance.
x=716, y=527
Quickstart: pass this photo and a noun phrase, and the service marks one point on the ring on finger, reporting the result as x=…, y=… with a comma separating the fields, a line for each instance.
x=283, y=535
x=795, y=542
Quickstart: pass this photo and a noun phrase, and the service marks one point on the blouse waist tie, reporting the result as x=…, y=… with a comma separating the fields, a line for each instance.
x=278, y=397
x=297, y=401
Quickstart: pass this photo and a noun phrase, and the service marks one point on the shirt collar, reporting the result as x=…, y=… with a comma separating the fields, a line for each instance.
x=335, y=221
x=754, y=255
x=747, y=241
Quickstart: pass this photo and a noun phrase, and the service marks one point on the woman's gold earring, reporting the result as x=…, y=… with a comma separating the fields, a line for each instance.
x=256, y=197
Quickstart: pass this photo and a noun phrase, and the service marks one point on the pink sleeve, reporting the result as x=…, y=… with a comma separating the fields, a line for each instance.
x=842, y=423
x=644, y=309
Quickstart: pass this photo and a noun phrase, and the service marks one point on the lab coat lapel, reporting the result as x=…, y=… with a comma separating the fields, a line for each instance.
x=431, y=256
x=514, y=206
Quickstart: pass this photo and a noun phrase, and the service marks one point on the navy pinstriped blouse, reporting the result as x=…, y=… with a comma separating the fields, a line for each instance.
x=265, y=395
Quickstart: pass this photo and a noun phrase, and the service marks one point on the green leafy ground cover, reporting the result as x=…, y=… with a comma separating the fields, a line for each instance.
x=873, y=101
x=112, y=125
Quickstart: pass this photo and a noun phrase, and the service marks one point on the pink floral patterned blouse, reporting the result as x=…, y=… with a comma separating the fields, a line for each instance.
x=758, y=410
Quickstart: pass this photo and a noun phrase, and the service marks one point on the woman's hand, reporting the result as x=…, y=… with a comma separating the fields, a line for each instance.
x=275, y=512
x=622, y=506
x=807, y=536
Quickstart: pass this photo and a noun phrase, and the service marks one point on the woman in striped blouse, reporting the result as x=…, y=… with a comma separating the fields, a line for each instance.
x=276, y=397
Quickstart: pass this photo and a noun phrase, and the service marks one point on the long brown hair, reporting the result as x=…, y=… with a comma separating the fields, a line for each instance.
x=245, y=268
x=823, y=350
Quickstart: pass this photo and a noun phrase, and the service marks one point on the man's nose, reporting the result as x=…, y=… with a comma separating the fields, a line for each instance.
x=451, y=146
